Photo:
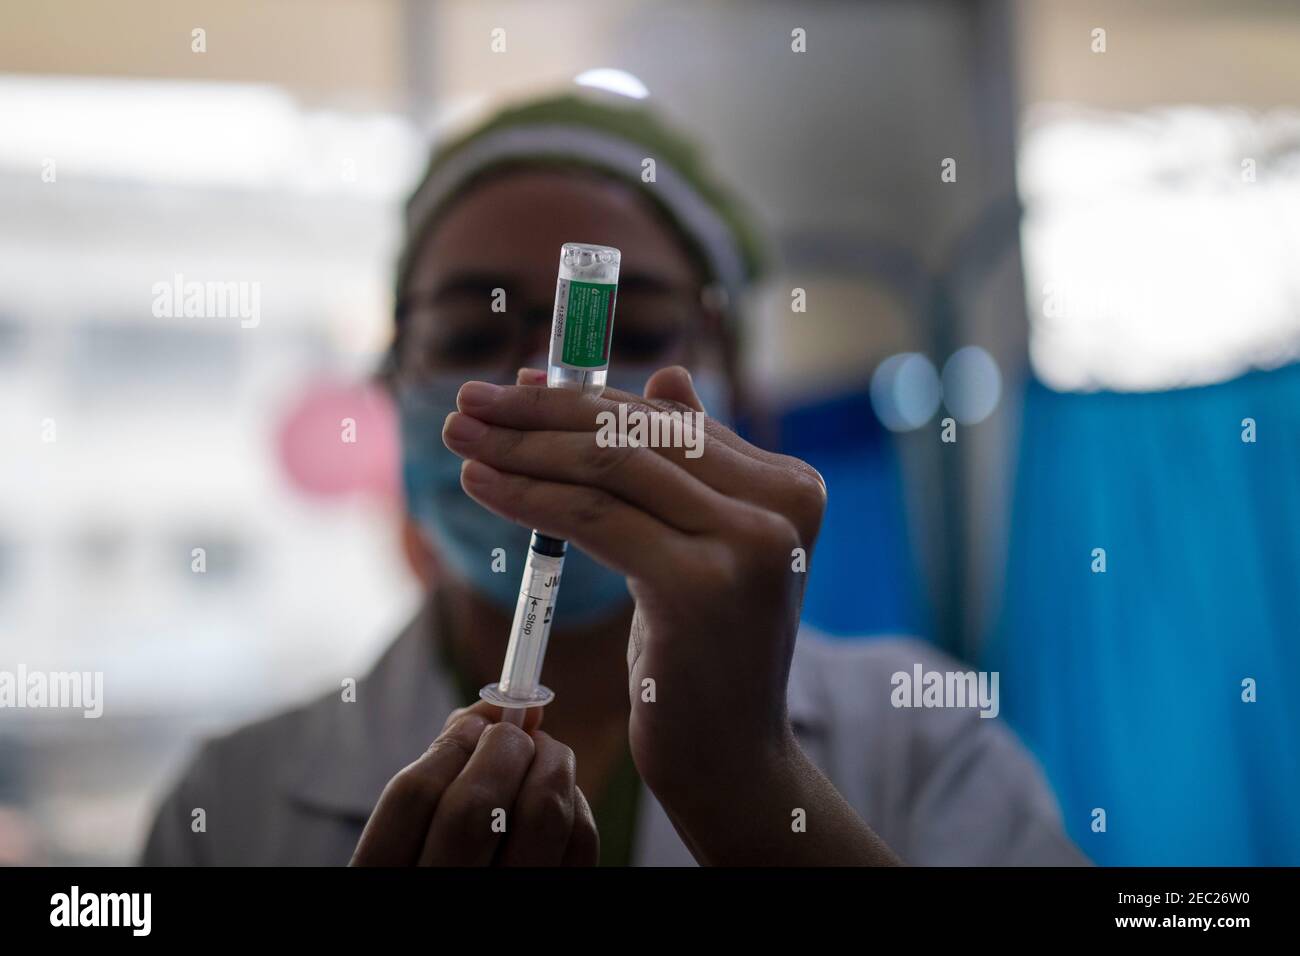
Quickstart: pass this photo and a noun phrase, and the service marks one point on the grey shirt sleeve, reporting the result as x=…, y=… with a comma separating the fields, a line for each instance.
x=980, y=799
x=172, y=840
x=942, y=786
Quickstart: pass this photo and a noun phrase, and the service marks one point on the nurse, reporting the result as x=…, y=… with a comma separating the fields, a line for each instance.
x=694, y=721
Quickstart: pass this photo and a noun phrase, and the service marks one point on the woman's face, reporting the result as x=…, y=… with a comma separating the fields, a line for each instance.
x=505, y=234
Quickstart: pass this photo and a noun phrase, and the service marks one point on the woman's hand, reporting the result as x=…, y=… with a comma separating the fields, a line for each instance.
x=714, y=549
x=484, y=793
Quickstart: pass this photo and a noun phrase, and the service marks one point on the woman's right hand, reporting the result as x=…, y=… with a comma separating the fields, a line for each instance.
x=485, y=793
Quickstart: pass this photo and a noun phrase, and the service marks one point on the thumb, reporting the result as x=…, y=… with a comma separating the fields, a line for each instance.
x=674, y=384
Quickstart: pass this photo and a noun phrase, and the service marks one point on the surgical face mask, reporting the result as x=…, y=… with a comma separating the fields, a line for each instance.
x=466, y=535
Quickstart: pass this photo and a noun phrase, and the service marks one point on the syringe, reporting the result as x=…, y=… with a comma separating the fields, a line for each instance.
x=581, y=329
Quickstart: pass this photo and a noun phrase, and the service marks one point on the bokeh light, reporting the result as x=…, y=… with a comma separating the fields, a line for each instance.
x=905, y=391
x=972, y=384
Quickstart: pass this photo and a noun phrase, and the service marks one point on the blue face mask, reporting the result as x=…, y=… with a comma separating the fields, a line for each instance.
x=466, y=534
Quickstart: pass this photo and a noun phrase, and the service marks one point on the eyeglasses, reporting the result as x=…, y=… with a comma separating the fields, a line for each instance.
x=471, y=330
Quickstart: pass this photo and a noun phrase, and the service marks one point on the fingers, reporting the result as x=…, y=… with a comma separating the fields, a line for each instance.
x=729, y=465
x=544, y=811
x=584, y=840
x=532, y=407
x=564, y=409
x=674, y=384
x=483, y=792
x=468, y=827
x=734, y=464
x=639, y=476
x=495, y=715
x=606, y=527
x=397, y=828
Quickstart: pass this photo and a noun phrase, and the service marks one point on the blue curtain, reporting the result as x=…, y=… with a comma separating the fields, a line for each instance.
x=1128, y=684
x=864, y=579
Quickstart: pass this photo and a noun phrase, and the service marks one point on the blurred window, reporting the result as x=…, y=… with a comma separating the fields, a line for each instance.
x=1160, y=248
x=125, y=357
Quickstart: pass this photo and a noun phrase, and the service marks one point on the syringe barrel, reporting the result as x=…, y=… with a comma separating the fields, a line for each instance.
x=522, y=671
x=582, y=324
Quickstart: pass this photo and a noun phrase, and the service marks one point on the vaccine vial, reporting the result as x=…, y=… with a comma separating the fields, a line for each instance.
x=583, y=322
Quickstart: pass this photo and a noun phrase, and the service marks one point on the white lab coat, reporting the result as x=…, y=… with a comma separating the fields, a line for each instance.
x=941, y=786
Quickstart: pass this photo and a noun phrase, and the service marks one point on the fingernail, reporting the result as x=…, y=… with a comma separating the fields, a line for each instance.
x=478, y=394
x=463, y=719
x=531, y=376
x=460, y=427
x=477, y=473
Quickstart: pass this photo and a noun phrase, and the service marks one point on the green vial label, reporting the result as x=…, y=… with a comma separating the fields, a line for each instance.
x=585, y=322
